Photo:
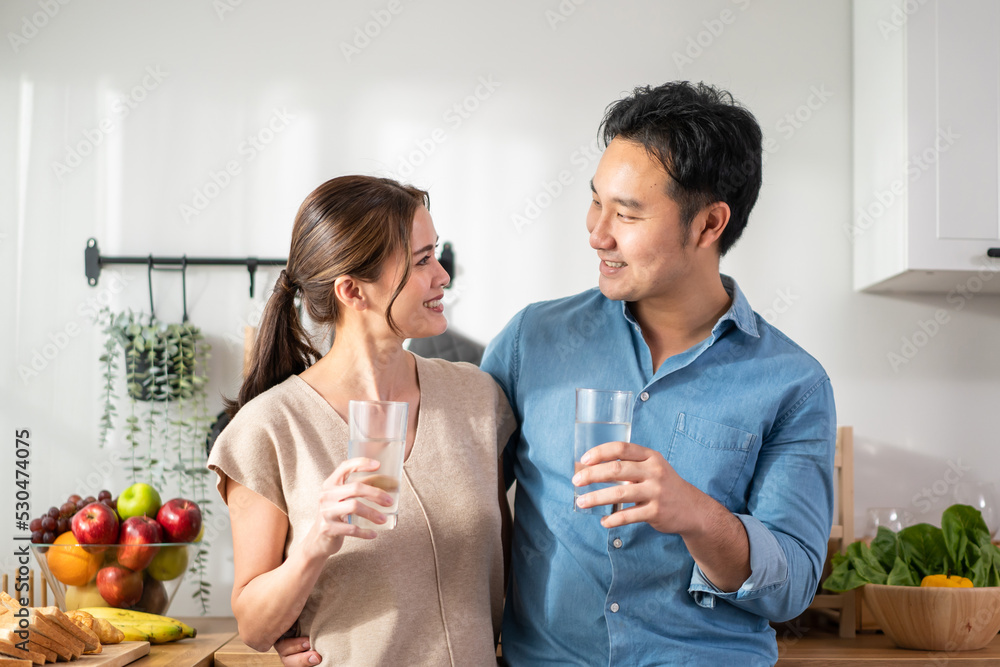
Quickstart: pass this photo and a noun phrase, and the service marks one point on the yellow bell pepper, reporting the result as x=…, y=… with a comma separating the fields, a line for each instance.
x=946, y=581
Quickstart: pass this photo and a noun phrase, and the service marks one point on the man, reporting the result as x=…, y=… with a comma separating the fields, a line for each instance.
x=728, y=478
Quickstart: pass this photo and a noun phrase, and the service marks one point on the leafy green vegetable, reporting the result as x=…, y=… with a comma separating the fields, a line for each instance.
x=964, y=530
x=902, y=574
x=843, y=577
x=885, y=548
x=923, y=548
x=960, y=547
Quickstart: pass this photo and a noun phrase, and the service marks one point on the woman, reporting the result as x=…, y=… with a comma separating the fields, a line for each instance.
x=429, y=591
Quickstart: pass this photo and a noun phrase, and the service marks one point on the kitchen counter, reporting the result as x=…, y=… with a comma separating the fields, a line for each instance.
x=213, y=633
x=237, y=654
x=828, y=650
x=812, y=649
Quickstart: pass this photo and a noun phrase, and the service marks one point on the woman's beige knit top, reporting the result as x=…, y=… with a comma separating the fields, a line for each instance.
x=428, y=592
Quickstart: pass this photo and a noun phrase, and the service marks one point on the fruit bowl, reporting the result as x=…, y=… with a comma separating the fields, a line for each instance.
x=95, y=575
x=936, y=619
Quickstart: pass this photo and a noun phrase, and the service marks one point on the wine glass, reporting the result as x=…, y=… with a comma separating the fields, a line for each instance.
x=982, y=496
x=893, y=518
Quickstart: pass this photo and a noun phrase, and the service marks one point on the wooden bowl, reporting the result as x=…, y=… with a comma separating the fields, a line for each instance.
x=936, y=619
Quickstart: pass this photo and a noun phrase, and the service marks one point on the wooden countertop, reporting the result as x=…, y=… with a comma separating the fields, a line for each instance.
x=237, y=654
x=813, y=650
x=213, y=632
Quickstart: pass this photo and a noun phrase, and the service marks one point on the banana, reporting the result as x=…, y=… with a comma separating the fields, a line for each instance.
x=154, y=633
x=140, y=626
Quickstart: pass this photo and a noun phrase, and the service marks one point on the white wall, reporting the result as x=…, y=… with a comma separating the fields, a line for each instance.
x=224, y=70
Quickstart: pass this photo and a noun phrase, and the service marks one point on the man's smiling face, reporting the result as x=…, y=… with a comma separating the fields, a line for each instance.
x=635, y=226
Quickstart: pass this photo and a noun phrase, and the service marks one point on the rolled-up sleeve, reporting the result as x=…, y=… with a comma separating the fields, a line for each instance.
x=768, y=568
x=790, y=511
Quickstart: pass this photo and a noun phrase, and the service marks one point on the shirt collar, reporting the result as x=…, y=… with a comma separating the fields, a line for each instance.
x=739, y=312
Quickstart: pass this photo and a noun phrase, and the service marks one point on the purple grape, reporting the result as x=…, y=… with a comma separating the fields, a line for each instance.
x=36, y=536
x=104, y=495
x=80, y=504
x=48, y=523
x=75, y=498
x=62, y=525
x=54, y=512
x=89, y=499
x=36, y=525
x=67, y=509
x=48, y=537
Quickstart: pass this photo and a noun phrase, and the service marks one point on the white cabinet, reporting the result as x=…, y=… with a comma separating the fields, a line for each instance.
x=926, y=145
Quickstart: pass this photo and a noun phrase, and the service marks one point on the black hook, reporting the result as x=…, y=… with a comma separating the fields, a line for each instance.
x=184, y=289
x=152, y=313
x=252, y=268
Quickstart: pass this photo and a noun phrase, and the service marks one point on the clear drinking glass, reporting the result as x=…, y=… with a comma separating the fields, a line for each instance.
x=601, y=416
x=378, y=431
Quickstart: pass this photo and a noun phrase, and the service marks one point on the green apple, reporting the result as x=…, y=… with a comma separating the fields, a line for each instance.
x=79, y=597
x=138, y=500
x=168, y=563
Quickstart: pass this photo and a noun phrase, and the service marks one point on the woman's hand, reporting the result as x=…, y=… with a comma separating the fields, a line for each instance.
x=296, y=652
x=339, y=498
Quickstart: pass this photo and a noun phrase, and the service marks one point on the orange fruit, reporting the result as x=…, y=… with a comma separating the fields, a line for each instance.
x=70, y=563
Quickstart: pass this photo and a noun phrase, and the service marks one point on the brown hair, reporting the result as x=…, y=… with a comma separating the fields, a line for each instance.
x=351, y=225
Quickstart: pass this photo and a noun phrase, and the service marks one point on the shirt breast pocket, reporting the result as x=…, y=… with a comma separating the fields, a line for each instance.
x=709, y=455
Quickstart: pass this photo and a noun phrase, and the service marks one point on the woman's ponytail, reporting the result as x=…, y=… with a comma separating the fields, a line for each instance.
x=281, y=349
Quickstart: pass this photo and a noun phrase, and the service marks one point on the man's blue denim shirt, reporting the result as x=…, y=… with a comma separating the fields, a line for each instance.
x=746, y=416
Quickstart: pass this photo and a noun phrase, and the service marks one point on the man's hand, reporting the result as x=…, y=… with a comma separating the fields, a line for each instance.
x=662, y=499
x=713, y=535
x=295, y=652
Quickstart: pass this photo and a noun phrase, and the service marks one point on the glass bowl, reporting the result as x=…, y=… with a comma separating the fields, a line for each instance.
x=141, y=577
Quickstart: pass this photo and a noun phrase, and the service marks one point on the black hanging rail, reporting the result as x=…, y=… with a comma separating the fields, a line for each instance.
x=94, y=262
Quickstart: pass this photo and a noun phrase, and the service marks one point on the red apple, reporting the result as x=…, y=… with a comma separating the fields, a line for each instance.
x=181, y=520
x=95, y=524
x=154, y=597
x=119, y=586
x=136, y=533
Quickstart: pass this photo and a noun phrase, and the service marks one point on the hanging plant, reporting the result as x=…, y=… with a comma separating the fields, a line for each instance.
x=160, y=371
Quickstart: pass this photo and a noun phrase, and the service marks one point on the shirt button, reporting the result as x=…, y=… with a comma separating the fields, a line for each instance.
x=644, y=395
x=617, y=543
x=614, y=607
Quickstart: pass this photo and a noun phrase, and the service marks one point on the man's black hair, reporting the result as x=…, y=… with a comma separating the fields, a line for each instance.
x=708, y=144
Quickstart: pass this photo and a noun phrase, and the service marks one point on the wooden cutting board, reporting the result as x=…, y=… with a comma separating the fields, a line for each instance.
x=114, y=655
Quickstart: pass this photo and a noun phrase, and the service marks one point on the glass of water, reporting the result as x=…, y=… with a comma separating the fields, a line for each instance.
x=601, y=416
x=378, y=431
